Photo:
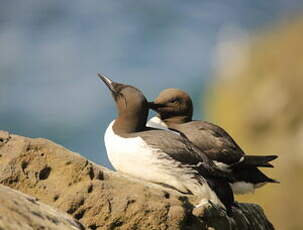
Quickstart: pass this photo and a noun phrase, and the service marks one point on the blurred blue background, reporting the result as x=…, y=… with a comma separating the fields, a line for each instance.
x=51, y=51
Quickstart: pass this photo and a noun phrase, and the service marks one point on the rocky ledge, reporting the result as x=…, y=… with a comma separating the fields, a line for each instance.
x=95, y=196
x=22, y=212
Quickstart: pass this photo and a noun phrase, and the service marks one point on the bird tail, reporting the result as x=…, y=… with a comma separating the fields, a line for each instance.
x=253, y=175
x=265, y=178
x=257, y=161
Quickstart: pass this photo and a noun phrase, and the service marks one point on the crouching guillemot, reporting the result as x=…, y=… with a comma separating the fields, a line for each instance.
x=160, y=156
x=175, y=110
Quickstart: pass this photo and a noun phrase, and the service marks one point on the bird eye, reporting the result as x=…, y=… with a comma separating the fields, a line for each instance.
x=174, y=100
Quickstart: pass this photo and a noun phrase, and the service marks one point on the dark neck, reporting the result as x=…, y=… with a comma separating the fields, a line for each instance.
x=176, y=120
x=126, y=124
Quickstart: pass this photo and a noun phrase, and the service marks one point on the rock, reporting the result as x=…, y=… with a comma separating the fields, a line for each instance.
x=22, y=212
x=102, y=199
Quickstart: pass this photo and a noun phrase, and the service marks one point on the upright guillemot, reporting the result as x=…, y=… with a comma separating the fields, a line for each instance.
x=160, y=156
x=175, y=110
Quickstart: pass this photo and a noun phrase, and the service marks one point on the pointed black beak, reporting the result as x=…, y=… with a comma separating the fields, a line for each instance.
x=108, y=82
x=154, y=106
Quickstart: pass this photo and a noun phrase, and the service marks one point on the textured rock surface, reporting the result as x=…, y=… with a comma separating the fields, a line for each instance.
x=22, y=212
x=102, y=199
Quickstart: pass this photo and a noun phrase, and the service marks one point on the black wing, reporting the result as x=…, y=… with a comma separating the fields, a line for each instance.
x=181, y=149
x=257, y=161
x=212, y=140
x=218, y=145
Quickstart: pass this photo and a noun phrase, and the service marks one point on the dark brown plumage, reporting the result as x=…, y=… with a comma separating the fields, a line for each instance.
x=175, y=109
x=173, y=154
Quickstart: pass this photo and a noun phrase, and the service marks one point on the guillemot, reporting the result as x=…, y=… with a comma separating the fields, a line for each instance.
x=160, y=156
x=175, y=110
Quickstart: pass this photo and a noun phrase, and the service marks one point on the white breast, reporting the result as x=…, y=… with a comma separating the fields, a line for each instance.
x=156, y=122
x=123, y=152
x=134, y=157
x=242, y=187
